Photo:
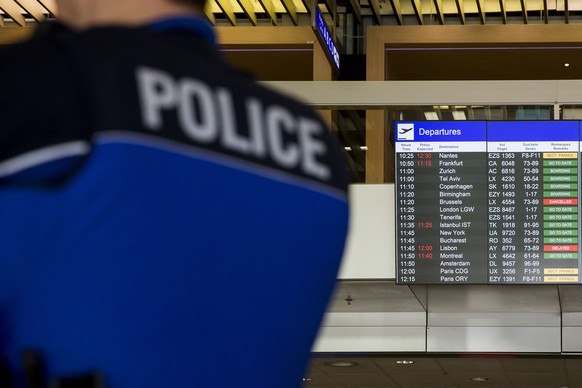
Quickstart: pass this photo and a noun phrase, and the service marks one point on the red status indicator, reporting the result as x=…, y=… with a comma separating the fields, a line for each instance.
x=562, y=248
x=560, y=201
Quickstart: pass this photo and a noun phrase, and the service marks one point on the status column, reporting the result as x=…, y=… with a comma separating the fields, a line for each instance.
x=561, y=215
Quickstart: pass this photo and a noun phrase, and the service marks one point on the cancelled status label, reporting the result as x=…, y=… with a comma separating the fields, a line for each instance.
x=561, y=201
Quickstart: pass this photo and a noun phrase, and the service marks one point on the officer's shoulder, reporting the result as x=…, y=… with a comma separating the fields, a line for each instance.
x=37, y=45
x=32, y=59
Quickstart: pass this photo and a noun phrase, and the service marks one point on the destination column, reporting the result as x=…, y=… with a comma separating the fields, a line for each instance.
x=441, y=202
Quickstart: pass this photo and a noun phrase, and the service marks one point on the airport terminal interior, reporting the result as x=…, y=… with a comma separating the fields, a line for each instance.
x=365, y=65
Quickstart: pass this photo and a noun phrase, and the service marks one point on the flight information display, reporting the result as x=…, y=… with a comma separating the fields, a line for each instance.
x=487, y=202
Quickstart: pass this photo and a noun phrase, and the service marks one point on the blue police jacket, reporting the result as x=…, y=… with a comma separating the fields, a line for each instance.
x=163, y=220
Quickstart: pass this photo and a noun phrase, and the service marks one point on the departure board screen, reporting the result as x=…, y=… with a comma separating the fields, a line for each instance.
x=487, y=202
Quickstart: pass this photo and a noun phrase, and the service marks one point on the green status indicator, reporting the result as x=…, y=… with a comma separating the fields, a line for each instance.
x=560, y=217
x=561, y=225
x=561, y=240
x=560, y=209
x=561, y=170
x=561, y=255
x=560, y=186
x=561, y=178
x=560, y=194
x=560, y=163
x=561, y=232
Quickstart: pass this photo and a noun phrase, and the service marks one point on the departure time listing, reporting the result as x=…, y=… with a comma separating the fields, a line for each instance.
x=487, y=202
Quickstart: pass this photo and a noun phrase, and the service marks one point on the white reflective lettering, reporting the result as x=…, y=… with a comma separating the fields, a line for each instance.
x=209, y=115
x=156, y=92
x=256, y=123
x=279, y=120
x=311, y=148
x=197, y=111
x=230, y=138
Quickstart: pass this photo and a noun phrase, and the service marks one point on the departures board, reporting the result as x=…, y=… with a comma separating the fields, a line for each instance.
x=487, y=202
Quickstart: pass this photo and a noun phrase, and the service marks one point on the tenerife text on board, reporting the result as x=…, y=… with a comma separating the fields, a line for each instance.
x=207, y=115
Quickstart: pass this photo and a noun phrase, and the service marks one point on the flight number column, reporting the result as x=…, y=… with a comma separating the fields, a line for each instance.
x=515, y=216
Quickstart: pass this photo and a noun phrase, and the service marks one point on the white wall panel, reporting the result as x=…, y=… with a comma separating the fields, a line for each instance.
x=493, y=339
x=384, y=93
x=572, y=332
x=371, y=339
x=572, y=339
x=491, y=319
x=370, y=246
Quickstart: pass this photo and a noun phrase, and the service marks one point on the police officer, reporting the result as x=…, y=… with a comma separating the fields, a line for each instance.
x=164, y=221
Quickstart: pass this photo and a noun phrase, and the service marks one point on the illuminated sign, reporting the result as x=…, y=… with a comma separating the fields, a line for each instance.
x=327, y=38
x=488, y=202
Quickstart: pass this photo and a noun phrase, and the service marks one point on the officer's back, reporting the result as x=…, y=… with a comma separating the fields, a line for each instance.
x=181, y=228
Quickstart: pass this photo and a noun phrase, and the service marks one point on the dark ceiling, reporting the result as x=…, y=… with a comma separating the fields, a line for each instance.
x=491, y=63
